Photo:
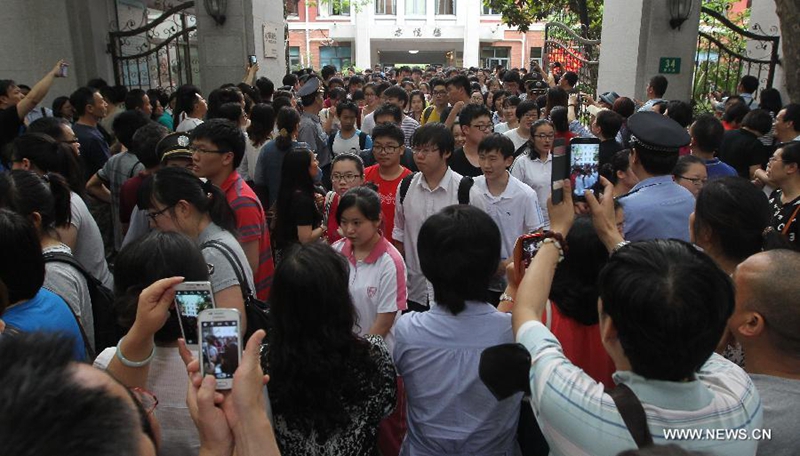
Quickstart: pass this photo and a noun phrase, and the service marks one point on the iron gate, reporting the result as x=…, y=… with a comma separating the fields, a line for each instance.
x=726, y=52
x=161, y=54
x=575, y=53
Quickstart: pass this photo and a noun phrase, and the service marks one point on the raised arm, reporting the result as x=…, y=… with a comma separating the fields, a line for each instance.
x=39, y=91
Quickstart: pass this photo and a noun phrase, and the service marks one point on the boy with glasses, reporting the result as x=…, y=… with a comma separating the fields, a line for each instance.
x=387, y=148
x=427, y=192
x=476, y=123
x=527, y=113
x=439, y=102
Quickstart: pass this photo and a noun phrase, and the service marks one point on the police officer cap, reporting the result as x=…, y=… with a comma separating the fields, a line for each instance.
x=174, y=145
x=309, y=88
x=657, y=132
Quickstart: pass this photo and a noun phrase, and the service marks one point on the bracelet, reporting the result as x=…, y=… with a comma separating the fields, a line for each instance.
x=126, y=362
x=554, y=241
x=558, y=237
x=619, y=245
x=506, y=297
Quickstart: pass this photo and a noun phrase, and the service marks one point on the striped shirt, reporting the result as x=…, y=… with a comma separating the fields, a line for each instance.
x=251, y=224
x=578, y=418
x=409, y=126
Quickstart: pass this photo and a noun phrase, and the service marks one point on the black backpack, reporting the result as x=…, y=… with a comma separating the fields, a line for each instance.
x=107, y=330
x=464, y=187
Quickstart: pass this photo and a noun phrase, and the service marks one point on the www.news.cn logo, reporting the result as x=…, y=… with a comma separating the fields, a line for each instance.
x=717, y=434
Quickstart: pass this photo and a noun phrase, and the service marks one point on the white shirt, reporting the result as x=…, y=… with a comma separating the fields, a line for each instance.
x=377, y=284
x=188, y=124
x=368, y=123
x=516, y=211
x=420, y=203
x=341, y=145
x=536, y=174
x=516, y=138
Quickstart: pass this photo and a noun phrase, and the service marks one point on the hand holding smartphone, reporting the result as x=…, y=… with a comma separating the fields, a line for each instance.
x=220, y=345
x=524, y=250
x=252, y=60
x=191, y=298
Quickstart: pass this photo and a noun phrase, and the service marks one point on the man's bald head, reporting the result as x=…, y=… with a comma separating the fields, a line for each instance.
x=767, y=284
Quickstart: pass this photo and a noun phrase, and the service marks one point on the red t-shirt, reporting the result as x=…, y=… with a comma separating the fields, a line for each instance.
x=582, y=345
x=252, y=225
x=127, y=196
x=388, y=193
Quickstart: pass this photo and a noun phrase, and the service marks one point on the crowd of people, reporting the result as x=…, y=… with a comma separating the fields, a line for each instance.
x=377, y=215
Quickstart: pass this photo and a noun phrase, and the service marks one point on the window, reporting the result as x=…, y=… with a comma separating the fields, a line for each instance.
x=291, y=7
x=294, y=57
x=536, y=55
x=385, y=7
x=493, y=56
x=488, y=11
x=446, y=7
x=338, y=56
x=333, y=8
x=415, y=7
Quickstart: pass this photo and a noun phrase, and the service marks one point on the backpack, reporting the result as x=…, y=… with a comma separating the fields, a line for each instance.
x=107, y=332
x=426, y=114
x=257, y=311
x=464, y=187
x=362, y=141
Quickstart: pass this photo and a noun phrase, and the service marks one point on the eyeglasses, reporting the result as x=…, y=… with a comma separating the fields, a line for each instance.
x=483, y=127
x=348, y=178
x=71, y=141
x=425, y=152
x=545, y=136
x=439, y=93
x=385, y=149
x=697, y=181
x=530, y=116
x=148, y=400
x=774, y=159
x=200, y=150
x=154, y=215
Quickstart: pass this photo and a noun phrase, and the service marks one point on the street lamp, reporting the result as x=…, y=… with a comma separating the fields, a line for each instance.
x=679, y=11
x=216, y=9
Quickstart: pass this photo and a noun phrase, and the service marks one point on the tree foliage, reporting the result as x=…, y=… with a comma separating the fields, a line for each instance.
x=588, y=14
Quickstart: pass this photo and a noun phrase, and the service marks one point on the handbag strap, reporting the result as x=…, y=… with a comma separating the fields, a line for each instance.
x=791, y=219
x=632, y=413
x=228, y=253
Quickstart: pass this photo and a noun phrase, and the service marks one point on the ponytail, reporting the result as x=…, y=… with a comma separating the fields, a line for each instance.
x=287, y=121
x=24, y=192
x=170, y=185
x=49, y=156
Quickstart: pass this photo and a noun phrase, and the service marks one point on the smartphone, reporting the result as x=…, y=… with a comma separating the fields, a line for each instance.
x=252, y=60
x=62, y=72
x=584, y=165
x=524, y=250
x=191, y=298
x=220, y=344
x=560, y=170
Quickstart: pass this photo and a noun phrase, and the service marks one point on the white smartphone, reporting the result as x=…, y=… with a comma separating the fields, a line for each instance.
x=220, y=344
x=191, y=298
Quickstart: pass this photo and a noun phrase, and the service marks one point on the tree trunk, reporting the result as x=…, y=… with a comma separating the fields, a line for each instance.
x=789, y=15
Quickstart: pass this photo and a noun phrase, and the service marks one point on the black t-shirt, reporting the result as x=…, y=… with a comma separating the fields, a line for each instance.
x=742, y=149
x=458, y=162
x=10, y=124
x=783, y=214
x=303, y=212
x=608, y=148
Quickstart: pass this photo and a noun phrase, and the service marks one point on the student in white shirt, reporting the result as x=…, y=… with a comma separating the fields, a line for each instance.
x=527, y=113
x=429, y=191
x=534, y=165
x=512, y=205
x=377, y=270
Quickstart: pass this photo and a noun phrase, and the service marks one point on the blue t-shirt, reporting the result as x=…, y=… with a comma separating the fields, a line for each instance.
x=46, y=312
x=717, y=168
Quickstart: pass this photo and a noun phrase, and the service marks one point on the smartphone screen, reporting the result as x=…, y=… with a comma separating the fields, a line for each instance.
x=220, y=348
x=584, y=166
x=529, y=248
x=252, y=59
x=189, y=304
